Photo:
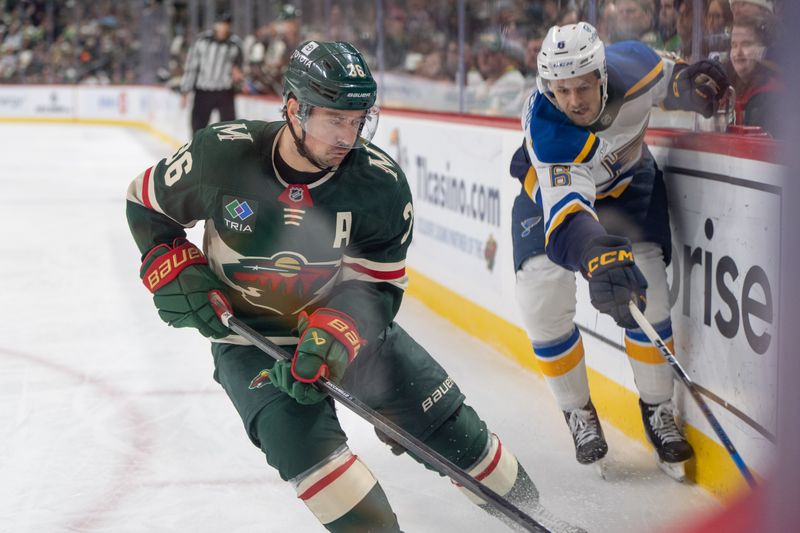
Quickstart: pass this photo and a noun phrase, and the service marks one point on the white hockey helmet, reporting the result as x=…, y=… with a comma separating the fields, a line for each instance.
x=571, y=51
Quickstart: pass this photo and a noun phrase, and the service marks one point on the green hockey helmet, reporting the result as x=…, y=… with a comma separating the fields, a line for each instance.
x=333, y=77
x=330, y=74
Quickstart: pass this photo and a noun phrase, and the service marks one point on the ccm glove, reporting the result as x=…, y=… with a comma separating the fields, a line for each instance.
x=697, y=87
x=614, y=279
x=179, y=278
x=329, y=340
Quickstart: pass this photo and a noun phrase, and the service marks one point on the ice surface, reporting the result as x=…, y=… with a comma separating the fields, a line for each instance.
x=110, y=421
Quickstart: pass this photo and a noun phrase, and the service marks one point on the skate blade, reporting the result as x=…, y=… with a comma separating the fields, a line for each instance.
x=601, y=467
x=676, y=471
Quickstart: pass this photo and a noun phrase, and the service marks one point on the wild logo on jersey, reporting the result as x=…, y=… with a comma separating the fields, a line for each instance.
x=284, y=283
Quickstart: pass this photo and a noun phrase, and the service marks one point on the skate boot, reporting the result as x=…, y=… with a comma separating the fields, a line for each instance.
x=590, y=444
x=672, y=449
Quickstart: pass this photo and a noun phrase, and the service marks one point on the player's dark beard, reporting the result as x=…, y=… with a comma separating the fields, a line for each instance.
x=301, y=149
x=300, y=144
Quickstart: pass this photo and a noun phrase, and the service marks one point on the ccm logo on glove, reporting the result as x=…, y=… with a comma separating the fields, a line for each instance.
x=608, y=258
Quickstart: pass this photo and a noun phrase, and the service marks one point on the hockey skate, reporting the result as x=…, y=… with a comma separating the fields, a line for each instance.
x=590, y=444
x=672, y=449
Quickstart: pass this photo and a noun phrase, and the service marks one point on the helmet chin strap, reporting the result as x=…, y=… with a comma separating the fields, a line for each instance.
x=603, y=101
x=300, y=144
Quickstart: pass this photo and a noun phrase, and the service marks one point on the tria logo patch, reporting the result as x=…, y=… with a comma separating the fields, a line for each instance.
x=240, y=210
x=239, y=214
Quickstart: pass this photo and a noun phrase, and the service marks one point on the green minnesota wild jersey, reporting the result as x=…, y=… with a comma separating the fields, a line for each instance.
x=282, y=248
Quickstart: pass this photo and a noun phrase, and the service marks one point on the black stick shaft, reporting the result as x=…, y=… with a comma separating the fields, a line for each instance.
x=409, y=442
x=651, y=333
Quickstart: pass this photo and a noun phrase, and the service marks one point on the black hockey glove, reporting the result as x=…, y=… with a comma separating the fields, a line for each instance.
x=697, y=87
x=614, y=279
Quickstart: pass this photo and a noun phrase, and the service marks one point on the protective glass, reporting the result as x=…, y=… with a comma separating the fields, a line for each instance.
x=340, y=128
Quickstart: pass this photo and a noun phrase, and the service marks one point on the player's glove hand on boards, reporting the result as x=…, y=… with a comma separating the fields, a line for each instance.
x=179, y=278
x=614, y=279
x=328, y=342
x=697, y=87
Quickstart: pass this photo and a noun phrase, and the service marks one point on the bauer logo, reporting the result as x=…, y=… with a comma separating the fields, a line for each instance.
x=239, y=214
x=437, y=395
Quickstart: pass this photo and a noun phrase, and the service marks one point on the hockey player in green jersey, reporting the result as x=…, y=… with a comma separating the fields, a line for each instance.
x=306, y=230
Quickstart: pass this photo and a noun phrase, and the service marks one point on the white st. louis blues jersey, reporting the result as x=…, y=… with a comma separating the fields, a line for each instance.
x=572, y=167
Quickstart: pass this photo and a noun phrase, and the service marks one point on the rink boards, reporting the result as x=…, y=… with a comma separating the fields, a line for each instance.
x=726, y=207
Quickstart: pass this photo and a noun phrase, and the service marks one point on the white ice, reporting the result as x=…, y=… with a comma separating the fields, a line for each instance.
x=110, y=421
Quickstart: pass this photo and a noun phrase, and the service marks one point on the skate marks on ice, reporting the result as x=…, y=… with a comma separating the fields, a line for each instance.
x=516, y=404
x=552, y=522
x=112, y=421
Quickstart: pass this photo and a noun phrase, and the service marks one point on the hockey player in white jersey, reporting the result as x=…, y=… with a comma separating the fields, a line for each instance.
x=593, y=201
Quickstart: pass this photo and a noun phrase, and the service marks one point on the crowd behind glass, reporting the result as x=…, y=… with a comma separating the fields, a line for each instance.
x=479, y=55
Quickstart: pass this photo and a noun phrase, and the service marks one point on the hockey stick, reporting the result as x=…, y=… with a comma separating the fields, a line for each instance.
x=648, y=329
x=409, y=442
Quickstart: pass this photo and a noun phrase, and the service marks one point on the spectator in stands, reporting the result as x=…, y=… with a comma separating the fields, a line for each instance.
x=268, y=55
x=684, y=27
x=432, y=66
x=284, y=36
x=530, y=68
x=339, y=28
x=607, y=21
x=420, y=18
x=502, y=90
x=635, y=21
x=718, y=20
x=719, y=17
x=551, y=9
x=754, y=80
x=568, y=15
x=396, y=43
x=507, y=16
x=668, y=25
x=752, y=8
x=473, y=77
x=532, y=48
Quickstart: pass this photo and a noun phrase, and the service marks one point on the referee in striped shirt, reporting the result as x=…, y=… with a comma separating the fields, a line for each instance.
x=213, y=67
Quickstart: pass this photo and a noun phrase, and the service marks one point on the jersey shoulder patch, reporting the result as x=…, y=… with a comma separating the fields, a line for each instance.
x=633, y=68
x=555, y=138
x=373, y=161
x=234, y=140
